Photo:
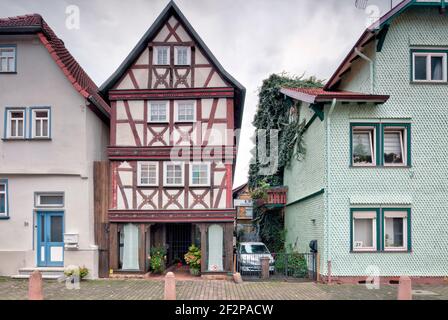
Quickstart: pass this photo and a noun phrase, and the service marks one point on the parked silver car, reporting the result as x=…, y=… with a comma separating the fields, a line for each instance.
x=249, y=255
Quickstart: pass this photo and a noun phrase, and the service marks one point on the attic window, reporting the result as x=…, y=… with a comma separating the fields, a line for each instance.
x=7, y=59
x=162, y=55
x=429, y=66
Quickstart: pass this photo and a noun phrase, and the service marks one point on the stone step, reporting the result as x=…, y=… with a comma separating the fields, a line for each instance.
x=47, y=272
x=44, y=276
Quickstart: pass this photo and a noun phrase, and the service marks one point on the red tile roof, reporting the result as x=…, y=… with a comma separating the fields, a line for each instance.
x=312, y=95
x=35, y=24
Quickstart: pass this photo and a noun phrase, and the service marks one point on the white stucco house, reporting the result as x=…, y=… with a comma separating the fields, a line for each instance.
x=53, y=126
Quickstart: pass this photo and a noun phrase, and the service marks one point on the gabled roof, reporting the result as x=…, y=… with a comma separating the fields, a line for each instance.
x=316, y=95
x=173, y=9
x=239, y=189
x=376, y=31
x=35, y=24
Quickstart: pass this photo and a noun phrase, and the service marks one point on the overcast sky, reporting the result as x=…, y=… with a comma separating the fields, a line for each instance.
x=251, y=38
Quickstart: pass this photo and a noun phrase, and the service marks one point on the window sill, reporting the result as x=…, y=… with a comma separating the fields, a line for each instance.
x=26, y=139
x=4, y=217
x=9, y=72
x=148, y=186
x=382, y=251
x=199, y=186
x=430, y=82
x=380, y=167
x=185, y=122
x=158, y=122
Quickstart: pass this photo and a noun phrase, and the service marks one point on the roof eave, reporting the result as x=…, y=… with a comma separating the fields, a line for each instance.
x=20, y=30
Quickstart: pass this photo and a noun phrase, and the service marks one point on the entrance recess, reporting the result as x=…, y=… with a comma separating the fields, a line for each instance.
x=50, y=243
x=178, y=239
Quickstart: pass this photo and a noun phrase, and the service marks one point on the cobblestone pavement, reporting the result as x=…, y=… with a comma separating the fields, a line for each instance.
x=138, y=289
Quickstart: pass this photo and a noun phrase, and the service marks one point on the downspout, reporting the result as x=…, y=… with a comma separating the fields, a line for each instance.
x=370, y=61
x=327, y=198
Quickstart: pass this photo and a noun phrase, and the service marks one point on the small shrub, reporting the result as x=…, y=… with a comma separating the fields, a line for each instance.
x=193, y=258
x=157, y=259
x=73, y=270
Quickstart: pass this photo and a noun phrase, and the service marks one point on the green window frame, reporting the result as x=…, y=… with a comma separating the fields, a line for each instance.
x=379, y=129
x=406, y=128
x=407, y=241
x=380, y=228
x=376, y=144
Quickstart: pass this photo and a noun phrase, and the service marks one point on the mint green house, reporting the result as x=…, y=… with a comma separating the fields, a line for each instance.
x=373, y=187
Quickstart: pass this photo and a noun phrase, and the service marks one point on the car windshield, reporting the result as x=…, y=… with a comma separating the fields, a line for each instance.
x=254, y=248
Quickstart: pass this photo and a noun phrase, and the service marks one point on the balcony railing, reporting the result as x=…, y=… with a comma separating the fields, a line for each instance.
x=276, y=198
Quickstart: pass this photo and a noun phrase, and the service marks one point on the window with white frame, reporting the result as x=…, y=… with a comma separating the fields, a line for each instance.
x=429, y=66
x=185, y=111
x=363, y=146
x=41, y=123
x=49, y=199
x=147, y=174
x=7, y=59
x=395, y=230
x=3, y=198
x=173, y=173
x=15, y=124
x=182, y=55
x=364, y=230
x=395, y=146
x=162, y=56
x=158, y=111
x=200, y=174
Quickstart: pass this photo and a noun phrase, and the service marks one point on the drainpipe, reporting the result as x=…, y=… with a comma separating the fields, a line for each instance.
x=327, y=198
x=370, y=61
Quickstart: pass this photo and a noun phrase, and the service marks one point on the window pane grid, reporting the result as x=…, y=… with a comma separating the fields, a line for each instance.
x=16, y=121
x=363, y=146
x=2, y=199
x=148, y=174
x=174, y=173
x=185, y=111
x=158, y=112
x=41, y=124
x=7, y=59
x=162, y=55
x=199, y=174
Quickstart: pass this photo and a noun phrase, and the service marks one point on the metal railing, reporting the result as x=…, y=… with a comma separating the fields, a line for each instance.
x=281, y=265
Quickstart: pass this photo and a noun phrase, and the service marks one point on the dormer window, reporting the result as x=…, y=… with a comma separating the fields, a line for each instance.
x=182, y=56
x=429, y=66
x=7, y=59
x=162, y=56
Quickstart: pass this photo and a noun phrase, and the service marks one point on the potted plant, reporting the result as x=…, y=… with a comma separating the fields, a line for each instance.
x=193, y=259
x=72, y=271
x=157, y=259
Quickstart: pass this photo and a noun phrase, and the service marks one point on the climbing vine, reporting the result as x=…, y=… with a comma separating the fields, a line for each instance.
x=274, y=112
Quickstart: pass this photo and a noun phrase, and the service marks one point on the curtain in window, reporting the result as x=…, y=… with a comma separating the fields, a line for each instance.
x=394, y=232
x=362, y=151
x=363, y=232
x=436, y=68
x=392, y=147
x=130, y=248
x=215, y=248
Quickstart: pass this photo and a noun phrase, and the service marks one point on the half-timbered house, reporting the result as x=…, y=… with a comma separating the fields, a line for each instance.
x=173, y=149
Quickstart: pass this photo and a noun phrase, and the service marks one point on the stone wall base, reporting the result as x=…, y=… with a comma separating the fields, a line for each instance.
x=383, y=280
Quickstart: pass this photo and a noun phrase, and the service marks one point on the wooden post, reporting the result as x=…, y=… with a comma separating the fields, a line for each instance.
x=101, y=185
x=142, y=248
x=203, y=229
x=113, y=249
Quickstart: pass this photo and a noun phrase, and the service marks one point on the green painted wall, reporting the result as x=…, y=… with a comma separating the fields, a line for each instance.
x=423, y=187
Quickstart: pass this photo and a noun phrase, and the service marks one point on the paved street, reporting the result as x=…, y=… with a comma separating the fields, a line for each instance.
x=138, y=289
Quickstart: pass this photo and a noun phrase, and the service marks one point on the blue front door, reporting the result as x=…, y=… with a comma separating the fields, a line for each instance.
x=50, y=243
